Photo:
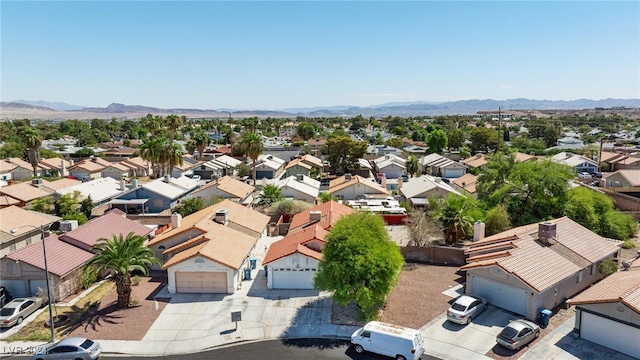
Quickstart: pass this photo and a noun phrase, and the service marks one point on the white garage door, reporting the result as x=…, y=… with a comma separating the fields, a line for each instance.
x=453, y=173
x=291, y=278
x=501, y=295
x=16, y=287
x=201, y=282
x=34, y=285
x=611, y=334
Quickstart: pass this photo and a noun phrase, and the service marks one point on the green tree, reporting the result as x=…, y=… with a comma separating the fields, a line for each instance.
x=484, y=139
x=43, y=205
x=395, y=142
x=455, y=215
x=86, y=206
x=243, y=170
x=32, y=140
x=85, y=152
x=456, y=139
x=80, y=217
x=412, y=164
x=324, y=197
x=189, y=206
x=252, y=147
x=496, y=171
x=306, y=130
x=121, y=255
x=201, y=141
x=67, y=204
x=345, y=152
x=360, y=263
x=12, y=149
x=437, y=142
x=270, y=194
x=497, y=220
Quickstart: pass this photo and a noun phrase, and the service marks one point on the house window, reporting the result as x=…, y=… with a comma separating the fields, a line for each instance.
x=580, y=276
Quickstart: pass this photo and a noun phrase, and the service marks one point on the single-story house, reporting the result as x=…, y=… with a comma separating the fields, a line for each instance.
x=226, y=187
x=116, y=171
x=53, y=165
x=137, y=166
x=101, y=190
x=23, y=271
x=536, y=266
x=418, y=190
x=18, y=169
x=112, y=223
x=621, y=179
x=27, y=191
x=352, y=187
x=187, y=167
x=88, y=169
x=14, y=217
x=268, y=167
x=217, y=167
x=206, y=251
x=300, y=187
x=612, y=304
x=162, y=194
x=476, y=161
x=292, y=262
x=438, y=165
x=297, y=167
x=391, y=166
x=578, y=162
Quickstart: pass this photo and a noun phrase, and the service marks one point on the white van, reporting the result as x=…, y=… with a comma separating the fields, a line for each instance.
x=395, y=341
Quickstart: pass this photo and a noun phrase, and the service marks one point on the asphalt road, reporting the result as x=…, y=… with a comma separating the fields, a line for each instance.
x=269, y=350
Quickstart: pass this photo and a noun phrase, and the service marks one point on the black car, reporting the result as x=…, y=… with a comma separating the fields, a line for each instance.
x=5, y=296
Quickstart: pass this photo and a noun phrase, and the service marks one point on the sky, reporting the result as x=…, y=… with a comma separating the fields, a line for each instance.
x=283, y=55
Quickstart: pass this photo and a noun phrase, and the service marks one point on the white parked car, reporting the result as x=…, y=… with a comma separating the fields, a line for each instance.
x=465, y=308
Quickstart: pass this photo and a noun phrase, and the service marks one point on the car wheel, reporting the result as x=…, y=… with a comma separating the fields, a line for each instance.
x=468, y=319
x=400, y=357
x=359, y=349
x=19, y=321
x=537, y=334
x=486, y=306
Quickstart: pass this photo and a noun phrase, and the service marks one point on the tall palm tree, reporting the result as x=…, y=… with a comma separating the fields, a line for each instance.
x=152, y=123
x=412, y=165
x=174, y=122
x=201, y=140
x=121, y=255
x=32, y=140
x=174, y=157
x=252, y=147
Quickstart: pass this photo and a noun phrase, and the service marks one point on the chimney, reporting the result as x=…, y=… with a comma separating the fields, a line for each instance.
x=315, y=215
x=167, y=179
x=134, y=183
x=400, y=182
x=176, y=219
x=478, y=231
x=547, y=232
x=122, y=187
x=63, y=166
x=222, y=216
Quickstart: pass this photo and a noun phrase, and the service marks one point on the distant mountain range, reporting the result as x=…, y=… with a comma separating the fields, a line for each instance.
x=60, y=110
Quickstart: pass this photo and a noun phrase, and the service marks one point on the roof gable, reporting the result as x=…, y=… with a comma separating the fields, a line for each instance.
x=331, y=211
x=62, y=257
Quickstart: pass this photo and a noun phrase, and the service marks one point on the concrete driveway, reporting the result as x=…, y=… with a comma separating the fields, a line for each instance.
x=447, y=340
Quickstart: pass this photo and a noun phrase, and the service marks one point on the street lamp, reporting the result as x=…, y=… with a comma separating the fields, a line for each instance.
x=46, y=270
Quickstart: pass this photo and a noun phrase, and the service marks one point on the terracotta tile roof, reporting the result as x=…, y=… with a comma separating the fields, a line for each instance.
x=539, y=265
x=17, y=162
x=12, y=217
x=25, y=192
x=312, y=160
x=298, y=162
x=331, y=212
x=467, y=181
x=117, y=166
x=62, y=257
x=623, y=286
x=522, y=157
x=88, y=165
x=631, y=175
x=6, y=166
x=475, y=161
x=341, y=183
x=295, y=242
x=241, y=219
x=229, y=185
x=60, y=183
x=105, y=226
x=226, y=246
x=607, y=156
x=8, y=201
x=136, y=162
x=55, y=163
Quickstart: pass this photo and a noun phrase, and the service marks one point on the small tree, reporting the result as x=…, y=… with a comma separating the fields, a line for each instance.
x=456, y=218
x=412, y=164
x=361, y=264
x=497, y=220
x=607, y=267
x=86, y=206
x=243, y=170
x=43, y=205
x=189, y=206
x=324, y=197
x=421, y=228
x=270, y=194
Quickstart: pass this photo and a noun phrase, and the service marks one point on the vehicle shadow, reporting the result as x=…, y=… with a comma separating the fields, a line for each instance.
x=259, y=289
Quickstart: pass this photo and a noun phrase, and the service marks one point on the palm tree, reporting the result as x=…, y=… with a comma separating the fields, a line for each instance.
x=201, y=140
x=252, y=146
x=174, y=157
x=270, y=194
x=454, y=217
x=32, y=140
x=151, y=151
x=412, y=164
x=174, y=122
x=121, y=255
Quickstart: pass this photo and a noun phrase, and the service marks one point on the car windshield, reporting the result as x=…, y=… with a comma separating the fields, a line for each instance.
x=509, y=332
x=86, y=344
x=417, y=340
x=7, y=311
x=458, y=307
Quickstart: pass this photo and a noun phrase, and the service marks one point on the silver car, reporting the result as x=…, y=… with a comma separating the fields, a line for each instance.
x=518, y=334
x=17, y=310
x=69, y=348
x=465, y=308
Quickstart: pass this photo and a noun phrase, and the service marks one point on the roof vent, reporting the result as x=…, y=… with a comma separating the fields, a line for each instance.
x=222, y=216
x=299, y=177
x=547, y=232
x=36, y=182
x=68, y=225
x=347, y=177
x=315, y=215
x=478, y=231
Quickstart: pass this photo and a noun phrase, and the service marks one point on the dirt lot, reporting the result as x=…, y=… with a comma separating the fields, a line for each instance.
x=107, y=322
